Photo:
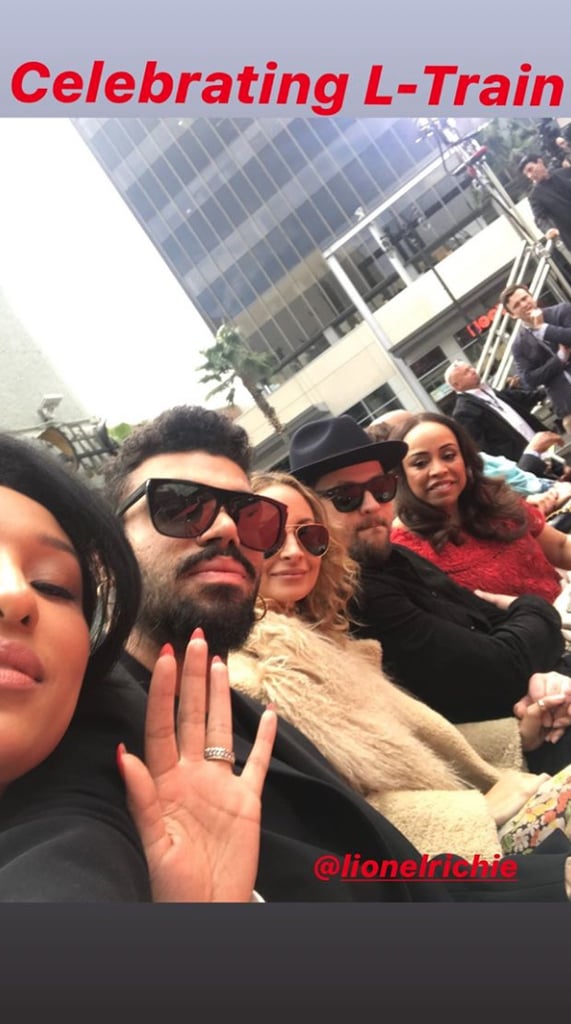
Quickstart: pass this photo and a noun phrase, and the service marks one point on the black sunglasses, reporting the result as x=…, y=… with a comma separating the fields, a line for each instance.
x=183, y=509
x=348, y=497
x=314, y=537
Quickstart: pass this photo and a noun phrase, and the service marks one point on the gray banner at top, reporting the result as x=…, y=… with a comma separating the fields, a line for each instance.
x=305, y=59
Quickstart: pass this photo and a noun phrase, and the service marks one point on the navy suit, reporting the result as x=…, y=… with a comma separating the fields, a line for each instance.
x=537, y=367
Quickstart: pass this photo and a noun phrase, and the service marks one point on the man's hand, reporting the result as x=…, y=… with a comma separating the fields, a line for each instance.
x=502, y=601
x=536, y=318
x=552, y=233
x=563, y=490
x=513, y=382
x=549, y=501
x=543, y=440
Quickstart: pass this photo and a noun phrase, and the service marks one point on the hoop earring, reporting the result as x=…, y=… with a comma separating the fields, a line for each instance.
x=261, y=609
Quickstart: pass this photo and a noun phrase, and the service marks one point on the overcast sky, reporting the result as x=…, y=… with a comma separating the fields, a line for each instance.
x=86, y=281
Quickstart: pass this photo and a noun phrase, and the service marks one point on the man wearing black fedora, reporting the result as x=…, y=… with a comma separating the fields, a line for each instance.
x=467, y=658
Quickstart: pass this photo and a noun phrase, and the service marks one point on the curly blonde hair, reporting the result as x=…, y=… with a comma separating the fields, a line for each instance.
x=326, y=606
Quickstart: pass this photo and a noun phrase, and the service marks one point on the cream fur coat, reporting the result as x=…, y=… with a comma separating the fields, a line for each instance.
x=404, y=758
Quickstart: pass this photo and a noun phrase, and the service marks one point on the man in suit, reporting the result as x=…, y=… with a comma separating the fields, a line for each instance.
x=498, y=421
x=550, y=197
x=542, y=347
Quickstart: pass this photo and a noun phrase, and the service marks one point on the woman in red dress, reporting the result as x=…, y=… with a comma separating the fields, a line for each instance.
x=475, y=528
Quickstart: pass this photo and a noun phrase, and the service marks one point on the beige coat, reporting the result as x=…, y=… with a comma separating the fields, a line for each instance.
x=404, y=758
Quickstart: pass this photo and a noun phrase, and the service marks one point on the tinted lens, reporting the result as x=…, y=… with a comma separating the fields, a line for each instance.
x=348, y=497
x=259, y=521
x=383, y=488
x=314, y=537
x=180, y=509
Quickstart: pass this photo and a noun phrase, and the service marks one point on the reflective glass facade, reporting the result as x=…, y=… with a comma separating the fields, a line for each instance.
x=242, y=210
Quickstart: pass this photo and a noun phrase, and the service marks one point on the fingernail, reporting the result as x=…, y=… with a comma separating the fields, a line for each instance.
x=271, y=706
x=121, y=750
x=217, y=660
x=166, y=649
x=197, y=634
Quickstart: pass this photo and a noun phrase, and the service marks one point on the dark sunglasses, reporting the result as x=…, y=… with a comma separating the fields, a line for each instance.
x=181, y=508
x=348, y=497
x=313, y=537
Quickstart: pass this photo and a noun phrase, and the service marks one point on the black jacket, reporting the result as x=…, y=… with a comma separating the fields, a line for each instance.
x=308, y=811
x=488, y=428
x=550, y=202
x=65, y=834
x=460, y=654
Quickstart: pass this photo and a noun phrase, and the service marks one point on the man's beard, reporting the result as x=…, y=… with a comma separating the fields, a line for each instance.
x=223, y=611
x=367, y=552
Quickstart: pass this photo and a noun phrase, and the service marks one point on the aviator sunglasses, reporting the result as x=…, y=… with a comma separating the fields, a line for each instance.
x=314, y=537
x=348, y=497
x=183, y=509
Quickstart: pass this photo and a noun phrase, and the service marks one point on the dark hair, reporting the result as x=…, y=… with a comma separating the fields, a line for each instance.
x=185, y=428
x=488, y=507
x=110, y=575
x=510, y=290
x=528, y=158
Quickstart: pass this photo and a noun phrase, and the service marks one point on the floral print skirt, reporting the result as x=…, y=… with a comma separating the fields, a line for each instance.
x=549, y=809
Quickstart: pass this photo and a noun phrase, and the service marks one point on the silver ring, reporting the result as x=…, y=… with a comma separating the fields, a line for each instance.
x=219, y=754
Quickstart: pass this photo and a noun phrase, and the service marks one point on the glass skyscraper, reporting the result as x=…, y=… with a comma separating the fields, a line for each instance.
x=243, y=210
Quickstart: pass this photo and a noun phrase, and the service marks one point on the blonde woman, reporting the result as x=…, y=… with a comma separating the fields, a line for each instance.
x=446, y=788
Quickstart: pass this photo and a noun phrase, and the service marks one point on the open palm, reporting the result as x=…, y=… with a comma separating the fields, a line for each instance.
x=199, y=822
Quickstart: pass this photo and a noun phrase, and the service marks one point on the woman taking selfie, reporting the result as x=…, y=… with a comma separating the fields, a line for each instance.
x=69, y=593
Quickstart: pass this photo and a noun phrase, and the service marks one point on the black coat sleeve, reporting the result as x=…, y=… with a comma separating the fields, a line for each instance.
x=540, y=878
x=475, y=423
x=558, y=335
x=463, y=671
x=540, y=211
x=533, y=376
x=532, y=463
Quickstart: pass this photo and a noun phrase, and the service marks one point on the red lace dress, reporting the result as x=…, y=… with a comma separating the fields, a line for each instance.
x=512, y=567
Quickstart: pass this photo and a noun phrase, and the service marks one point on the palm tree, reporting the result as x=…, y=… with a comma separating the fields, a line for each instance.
x=228, y=360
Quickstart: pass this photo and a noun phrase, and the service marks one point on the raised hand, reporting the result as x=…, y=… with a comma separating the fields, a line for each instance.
x=199, y=822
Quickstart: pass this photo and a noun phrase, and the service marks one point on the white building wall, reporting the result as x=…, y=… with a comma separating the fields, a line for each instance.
x=356, y=365
x=27, y=377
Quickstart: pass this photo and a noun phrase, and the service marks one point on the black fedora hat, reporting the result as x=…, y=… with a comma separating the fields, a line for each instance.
x=319, y=447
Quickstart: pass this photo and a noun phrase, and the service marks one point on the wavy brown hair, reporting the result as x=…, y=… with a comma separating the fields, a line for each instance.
x=326, y=606
x=488, y=507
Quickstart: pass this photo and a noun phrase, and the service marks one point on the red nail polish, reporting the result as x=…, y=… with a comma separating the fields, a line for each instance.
x=197, y=634
x=121, y=749
x=166, y=649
